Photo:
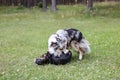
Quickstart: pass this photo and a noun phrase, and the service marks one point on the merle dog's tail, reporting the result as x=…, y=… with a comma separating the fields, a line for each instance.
x=85, y=45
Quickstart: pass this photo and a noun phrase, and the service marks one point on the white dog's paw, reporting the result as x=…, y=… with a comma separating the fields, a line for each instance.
x=80, y=57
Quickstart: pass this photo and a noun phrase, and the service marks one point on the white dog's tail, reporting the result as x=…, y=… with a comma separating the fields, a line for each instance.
x=85, y=45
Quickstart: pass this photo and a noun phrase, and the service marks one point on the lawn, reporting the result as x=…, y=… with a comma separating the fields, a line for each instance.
x=24, y=34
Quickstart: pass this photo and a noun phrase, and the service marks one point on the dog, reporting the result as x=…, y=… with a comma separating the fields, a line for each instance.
x=50, y=58
x=63, y=39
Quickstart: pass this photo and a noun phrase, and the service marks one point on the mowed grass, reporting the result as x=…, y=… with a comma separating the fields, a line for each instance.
x=24, y=34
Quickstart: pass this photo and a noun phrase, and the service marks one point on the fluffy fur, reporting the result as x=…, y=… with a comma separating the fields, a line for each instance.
x=65, y=38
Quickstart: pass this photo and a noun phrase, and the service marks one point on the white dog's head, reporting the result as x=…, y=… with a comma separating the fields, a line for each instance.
x=56, y=44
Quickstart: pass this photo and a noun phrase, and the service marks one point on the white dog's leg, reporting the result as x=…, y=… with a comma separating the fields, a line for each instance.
x=76, y=47
x=80, y=57
x=80, y=54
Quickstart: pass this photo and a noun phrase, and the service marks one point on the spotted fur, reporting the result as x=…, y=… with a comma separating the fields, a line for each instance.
x=65, y=38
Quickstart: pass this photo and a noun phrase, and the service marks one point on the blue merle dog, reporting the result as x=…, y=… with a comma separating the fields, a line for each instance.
x=65, y=38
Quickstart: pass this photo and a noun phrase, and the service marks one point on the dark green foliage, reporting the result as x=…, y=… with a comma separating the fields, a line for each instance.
x=20, y=6
x=39, y=4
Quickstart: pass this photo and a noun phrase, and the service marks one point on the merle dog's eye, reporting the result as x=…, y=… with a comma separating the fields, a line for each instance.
x=54, y=44
x=58, y=39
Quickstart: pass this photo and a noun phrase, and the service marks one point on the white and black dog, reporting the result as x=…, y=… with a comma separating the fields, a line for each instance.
x=65, y=38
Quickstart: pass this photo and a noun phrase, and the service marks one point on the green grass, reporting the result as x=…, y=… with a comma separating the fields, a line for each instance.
x=24, y=34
